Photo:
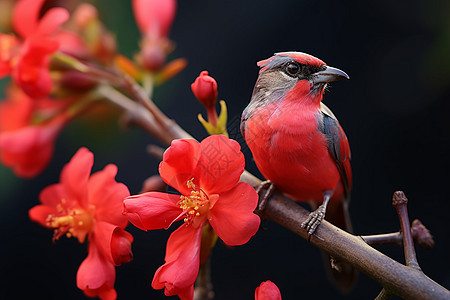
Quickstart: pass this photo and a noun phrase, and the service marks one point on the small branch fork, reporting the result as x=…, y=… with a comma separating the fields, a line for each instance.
x=420, y=234
x=399, y=201
x=405, y=281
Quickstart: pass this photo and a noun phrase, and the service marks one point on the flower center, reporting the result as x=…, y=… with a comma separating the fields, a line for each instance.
x=75, y=222
x=194, y=205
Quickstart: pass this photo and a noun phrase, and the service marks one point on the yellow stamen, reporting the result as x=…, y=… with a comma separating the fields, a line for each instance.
x=74, y=222
x=193, y=204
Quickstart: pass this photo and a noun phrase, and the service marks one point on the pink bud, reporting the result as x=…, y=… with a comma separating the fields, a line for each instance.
x=121, y=246
x=205, y=90
x=75, y=80
x=154, y=17
x=267, y=291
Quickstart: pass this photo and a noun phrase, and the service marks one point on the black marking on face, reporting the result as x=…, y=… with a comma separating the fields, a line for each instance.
x=300, y=71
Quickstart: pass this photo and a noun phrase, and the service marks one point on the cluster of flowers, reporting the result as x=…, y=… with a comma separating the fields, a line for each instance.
x=55, y=61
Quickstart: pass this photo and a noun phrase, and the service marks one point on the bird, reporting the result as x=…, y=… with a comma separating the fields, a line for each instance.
x=298, y=144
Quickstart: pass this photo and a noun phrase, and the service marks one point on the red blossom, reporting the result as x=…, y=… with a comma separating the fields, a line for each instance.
x=207, y=175
x=28, y=61
x=26, y=145
x=89, y=207
x=267, y=291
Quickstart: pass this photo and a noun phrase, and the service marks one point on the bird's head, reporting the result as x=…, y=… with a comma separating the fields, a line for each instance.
x=294, y=75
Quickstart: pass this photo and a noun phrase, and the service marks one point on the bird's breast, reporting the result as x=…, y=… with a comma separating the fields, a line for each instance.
x=290, y=151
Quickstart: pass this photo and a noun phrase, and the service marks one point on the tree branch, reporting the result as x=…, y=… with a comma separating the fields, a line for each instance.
x=396, y=278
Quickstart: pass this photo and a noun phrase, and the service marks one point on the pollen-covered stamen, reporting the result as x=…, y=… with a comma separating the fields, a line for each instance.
x=7, y=42
x=194, y=204
x=75, y=222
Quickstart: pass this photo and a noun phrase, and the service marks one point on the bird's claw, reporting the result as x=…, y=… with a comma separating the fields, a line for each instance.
x=314, y=220
x=263, y=198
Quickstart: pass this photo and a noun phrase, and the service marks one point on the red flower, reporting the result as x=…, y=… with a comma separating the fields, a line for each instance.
x=26, y=145
x=267, y=291
x=28, y=62
x=205, y=90
x=84, y=206
x=207, y=175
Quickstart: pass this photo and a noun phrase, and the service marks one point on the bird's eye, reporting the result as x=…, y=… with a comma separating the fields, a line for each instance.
x=292, y=69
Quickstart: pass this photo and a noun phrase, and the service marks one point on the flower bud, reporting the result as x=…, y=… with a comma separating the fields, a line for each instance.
x=154, y=184
x=267, y=291
x=75, y=80
x=205, y=90
x=121, y=247
x=152, y=56
x=154, y=17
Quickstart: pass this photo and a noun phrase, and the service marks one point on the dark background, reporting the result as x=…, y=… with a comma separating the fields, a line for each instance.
x=395, y=111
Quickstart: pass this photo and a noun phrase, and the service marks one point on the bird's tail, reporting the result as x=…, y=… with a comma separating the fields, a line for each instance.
x=341, y=274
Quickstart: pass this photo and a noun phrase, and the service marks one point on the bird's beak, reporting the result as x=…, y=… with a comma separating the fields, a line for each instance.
x=329, y=74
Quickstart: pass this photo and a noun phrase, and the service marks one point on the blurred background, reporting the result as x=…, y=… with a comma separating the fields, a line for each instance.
x=395, y=110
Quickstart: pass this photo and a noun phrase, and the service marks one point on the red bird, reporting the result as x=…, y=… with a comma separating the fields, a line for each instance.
x=296, y=141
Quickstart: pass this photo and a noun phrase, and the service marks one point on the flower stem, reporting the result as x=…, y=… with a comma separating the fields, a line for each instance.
x=203, y=286
x=383, y=295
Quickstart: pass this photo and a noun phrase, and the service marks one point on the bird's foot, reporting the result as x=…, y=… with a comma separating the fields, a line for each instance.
x=314, y=219
x=269, y=188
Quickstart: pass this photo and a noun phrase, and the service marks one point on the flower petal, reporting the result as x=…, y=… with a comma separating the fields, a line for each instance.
x=29, y=150
x=179, y=162
x=220, y=165
x=75, y=175
x=52, y=195
x=154, y=17
x=152, y=210
x=107, y=195
x=40, y=213
x=113, y=242
x=180, y=271
x=232, y=216
x=31, y=71
x=52, y=19
x=121, y=246
x=26, y=16
x=102, y=236
x=96, y=274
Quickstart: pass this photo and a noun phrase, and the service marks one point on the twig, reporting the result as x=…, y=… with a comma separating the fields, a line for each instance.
x=383, y=295
x=420, y=234
x=399, y=201
x=156, y=151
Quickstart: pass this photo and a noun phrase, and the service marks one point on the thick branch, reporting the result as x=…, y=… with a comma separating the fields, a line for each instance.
x=396, y=278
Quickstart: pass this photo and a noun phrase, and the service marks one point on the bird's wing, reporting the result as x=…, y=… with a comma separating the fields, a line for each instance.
x=337, y=212
x=338, y=146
